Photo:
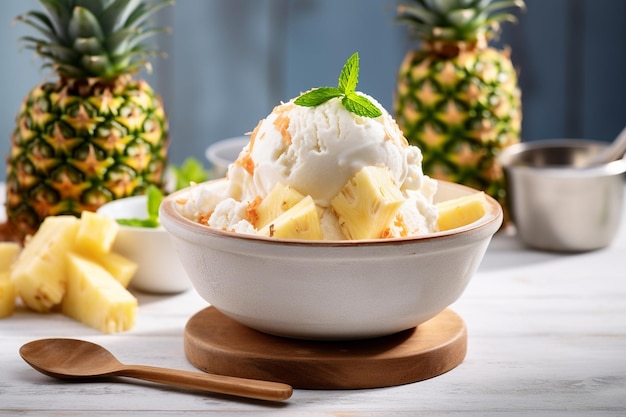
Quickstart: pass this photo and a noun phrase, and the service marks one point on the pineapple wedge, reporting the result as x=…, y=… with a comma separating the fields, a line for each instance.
x=461, y=211
x=7, y=294
x=8, y=254
x=96, y=233
x=39, y=272
x=96, y=299
x=122, y=269
x=301, y=221
x=279, y=200
x=368, y=203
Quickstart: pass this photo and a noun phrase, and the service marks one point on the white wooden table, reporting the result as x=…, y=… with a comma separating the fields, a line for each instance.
x=547, y=337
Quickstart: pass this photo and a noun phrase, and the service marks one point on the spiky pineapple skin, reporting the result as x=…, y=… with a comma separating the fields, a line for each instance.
x=461, y=110
x=79, y=144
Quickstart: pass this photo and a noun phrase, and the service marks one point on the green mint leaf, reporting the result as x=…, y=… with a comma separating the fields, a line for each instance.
x=191, y=170
x=318, y=96
x=348, y=79
x=155, y=196
x=361, y=106
x=139, y=222
x=349, y=76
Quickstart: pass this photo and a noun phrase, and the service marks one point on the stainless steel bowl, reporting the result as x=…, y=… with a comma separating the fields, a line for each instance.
x=556, y=204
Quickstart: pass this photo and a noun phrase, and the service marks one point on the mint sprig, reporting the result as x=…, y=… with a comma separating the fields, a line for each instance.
x=154, y=197
x=346, y=89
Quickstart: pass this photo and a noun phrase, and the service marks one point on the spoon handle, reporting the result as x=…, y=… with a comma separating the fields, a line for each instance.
x=242, y=387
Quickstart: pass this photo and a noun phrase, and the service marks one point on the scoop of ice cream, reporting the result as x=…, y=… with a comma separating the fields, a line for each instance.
x=317, y=150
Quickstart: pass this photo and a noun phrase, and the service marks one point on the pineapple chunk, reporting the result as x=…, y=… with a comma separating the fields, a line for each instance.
x=96, y=233
x=301, y=221
x=461, y=211
x=96, y=299
x=368, y=203
x=7, y=295
x=279, y=200
x=122, y=269
x=39, y=272
x=8, y=253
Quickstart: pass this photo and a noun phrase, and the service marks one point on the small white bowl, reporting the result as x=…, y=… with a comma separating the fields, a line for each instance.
x=331, y=289
x=159, y=267
x=222, y=153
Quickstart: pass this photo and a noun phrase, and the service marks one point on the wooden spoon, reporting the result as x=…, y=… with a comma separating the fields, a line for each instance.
x=75, y=359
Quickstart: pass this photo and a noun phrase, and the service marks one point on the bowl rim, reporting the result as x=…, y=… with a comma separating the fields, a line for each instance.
x=212, y=152
x=507, y=157
x=169, y=214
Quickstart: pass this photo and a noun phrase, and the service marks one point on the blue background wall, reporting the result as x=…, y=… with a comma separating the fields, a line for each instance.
x=230, y=61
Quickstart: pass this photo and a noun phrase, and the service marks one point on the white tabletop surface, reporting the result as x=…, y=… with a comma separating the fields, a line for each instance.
x=546, y=337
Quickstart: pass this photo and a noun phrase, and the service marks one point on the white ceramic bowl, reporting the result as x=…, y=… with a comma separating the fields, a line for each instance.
x=331, y=290
x=159, y=268
x=222, y=153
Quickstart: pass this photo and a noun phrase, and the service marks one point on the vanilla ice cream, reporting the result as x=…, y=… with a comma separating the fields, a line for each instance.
x=316, y=150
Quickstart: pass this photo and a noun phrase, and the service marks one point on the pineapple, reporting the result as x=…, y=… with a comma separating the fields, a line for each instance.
x=461, y=211
x=367, y=205
x=458, y=98
x=302, y=221
x=39, y=272
x=280, y=199
x=122, y=269
x=8, y=253
x=95, y=134
x=7, y=294
x=96, y=233
x=96, y=299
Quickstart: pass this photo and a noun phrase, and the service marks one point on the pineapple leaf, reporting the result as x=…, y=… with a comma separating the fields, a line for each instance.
x=346, y=89
x=115, y=16
x=89, y=46
x=141, y=13
x=60, y=16
x=55, y=51
x=84, y=24
x=118, y=42
x=46, y=31
x=96, y=64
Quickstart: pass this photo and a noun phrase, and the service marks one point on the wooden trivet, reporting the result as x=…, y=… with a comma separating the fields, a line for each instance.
x=217, y=344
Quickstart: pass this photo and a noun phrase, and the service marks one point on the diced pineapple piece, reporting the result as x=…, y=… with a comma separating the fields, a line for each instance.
x=8, y=253
x=122, y=269
x=39, y=272
x=7, y=295
x=96, y=299
x=279, y=200
x=461, y=211
x=301, y=221
x=368, y=203
x=96, y=233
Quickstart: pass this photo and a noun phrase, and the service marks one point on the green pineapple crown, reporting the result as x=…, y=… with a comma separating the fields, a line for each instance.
x=457, y=20
x=93, y=38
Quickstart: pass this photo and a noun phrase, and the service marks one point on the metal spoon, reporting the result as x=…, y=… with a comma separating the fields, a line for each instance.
x=76, y=359
x=612, y=153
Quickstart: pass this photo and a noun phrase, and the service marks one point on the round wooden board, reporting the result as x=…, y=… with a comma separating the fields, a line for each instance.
x=217, y=344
